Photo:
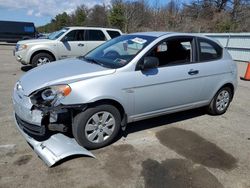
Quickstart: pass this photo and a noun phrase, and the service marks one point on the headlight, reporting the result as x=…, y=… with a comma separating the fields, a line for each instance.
x=22, y=46
x=50, y=96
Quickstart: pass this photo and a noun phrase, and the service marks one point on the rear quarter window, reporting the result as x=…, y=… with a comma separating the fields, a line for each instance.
x=209, y=50
x=113, y=34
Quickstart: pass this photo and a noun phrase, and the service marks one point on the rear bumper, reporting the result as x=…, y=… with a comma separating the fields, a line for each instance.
x=55, y=148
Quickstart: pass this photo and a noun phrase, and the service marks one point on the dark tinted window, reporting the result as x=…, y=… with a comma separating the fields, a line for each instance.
x=71, y=36
x=29, y=29
x=113, y=34
x=209, y=50
x=75, y=35
x=94, y=35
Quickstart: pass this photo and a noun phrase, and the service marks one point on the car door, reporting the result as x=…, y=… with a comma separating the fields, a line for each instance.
x=175, y=84
x=72, y=44
x=93, y=38
x=212, y=66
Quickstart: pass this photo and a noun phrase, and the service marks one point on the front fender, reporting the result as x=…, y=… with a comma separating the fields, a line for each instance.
x=41, y=47
x=101, y=88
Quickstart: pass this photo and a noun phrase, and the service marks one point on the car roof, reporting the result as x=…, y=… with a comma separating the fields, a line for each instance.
x=152, y=33
x=160, y=34
x=78, y=27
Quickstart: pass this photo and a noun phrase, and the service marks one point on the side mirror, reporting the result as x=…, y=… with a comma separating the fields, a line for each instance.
x=64, y=39
x=150, y=63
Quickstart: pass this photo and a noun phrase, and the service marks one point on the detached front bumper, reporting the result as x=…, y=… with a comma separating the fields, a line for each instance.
x=29, y=122
x=56, y=148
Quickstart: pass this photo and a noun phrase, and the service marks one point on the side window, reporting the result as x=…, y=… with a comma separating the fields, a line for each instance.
x=80, y=35
x=209, y=50
x=75, y=35
x=29, y=29
x=113, y=34
x=94, y=35
x=173, y=52
x=71, y=36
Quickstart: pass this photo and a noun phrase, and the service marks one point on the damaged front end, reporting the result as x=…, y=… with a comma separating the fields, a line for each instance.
x=41, y=118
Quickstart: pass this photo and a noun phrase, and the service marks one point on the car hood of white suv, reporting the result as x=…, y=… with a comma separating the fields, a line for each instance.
x=33, y=41
x=61, y=72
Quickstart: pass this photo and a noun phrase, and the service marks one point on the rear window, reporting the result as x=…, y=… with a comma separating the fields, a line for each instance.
x=94, y=35
x=113, y=34
x=29, y=29
x=209, y=50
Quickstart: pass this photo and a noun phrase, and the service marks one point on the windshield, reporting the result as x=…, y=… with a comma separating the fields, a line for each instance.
x=57, y=34
x=119, y=51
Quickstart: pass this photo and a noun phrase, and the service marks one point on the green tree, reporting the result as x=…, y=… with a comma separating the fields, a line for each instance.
x=80, y=15
x=61, y=20
x=116, y=17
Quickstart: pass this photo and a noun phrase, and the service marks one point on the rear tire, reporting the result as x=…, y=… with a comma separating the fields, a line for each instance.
x=221, y=101
x=97, y=126
x=41, y=59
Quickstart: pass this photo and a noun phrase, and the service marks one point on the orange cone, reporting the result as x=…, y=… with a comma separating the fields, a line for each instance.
x=247, y=75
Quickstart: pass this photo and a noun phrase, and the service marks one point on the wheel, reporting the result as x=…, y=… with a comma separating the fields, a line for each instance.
x=97, y=126
x=41, y=59
x=221, y=101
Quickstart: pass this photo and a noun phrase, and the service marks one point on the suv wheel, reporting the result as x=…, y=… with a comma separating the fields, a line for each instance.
x=221, y=101
x=41, y=59
x=97, y=126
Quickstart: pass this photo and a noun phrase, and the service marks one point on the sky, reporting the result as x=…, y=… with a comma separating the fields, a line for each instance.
x=42, y=11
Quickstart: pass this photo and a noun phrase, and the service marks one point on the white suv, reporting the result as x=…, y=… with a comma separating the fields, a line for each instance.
x=65, y=43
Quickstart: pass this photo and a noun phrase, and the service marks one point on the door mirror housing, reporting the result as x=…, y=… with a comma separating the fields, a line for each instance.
x=149, y=63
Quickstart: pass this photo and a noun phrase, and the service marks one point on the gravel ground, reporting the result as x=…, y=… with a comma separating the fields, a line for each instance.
x=187, y=149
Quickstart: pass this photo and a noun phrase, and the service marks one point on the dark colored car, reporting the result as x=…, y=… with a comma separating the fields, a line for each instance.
x=14, y=31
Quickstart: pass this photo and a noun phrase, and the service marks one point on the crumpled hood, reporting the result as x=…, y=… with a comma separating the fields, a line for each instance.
x=61, y=72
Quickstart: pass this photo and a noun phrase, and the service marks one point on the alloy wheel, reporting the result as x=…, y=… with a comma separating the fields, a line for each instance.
x=100, y=127
x=42, y=61
x=222, y=100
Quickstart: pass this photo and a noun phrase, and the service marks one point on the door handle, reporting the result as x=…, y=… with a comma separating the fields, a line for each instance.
x=193, y=72
x=80, y=44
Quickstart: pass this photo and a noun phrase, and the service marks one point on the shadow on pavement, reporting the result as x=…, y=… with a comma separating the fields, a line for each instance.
x=26, y=68
x=161, y=121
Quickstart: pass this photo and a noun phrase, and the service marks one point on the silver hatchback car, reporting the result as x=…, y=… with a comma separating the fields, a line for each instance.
x=129, y=78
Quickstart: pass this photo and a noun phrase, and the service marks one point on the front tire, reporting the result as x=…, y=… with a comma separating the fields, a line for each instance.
x=41, y=59
x=97, y=126
x=221, y=101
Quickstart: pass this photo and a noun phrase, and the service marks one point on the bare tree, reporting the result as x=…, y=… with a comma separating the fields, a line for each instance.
x=98, y=16
x=174, y=15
